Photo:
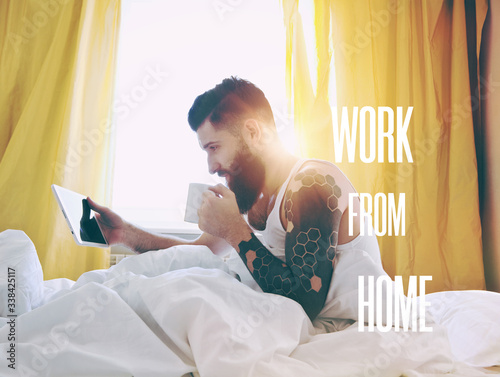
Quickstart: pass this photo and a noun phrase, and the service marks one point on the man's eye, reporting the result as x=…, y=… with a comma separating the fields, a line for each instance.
x=213, y=148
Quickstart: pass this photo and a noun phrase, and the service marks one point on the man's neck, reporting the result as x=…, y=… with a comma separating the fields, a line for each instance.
x=279, y=163
x=278, y=166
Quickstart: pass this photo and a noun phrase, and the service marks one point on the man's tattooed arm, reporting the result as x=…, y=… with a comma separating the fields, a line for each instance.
x=312, y=223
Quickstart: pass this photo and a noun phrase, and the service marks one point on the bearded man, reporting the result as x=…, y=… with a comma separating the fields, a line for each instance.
x=306, y=250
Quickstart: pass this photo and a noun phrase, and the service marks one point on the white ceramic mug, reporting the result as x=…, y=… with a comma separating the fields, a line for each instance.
x=194, y=200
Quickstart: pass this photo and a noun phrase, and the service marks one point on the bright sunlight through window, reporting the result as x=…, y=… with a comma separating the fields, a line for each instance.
x=170, y=52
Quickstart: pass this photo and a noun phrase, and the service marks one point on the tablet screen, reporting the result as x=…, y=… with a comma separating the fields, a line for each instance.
x=80, y=217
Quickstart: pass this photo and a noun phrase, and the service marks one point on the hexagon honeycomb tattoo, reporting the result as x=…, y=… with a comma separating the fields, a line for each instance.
x=313, y=220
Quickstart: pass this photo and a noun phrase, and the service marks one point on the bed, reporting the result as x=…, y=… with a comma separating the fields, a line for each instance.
x=180, y=312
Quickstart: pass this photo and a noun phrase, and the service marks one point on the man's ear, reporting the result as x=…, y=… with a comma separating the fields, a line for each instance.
x=252, y=132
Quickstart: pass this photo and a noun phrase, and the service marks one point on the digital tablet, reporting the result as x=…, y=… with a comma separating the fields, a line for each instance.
x=80, y=217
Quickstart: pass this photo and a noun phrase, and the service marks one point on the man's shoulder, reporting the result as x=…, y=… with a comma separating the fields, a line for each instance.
x=318, y=173
x=318, y=180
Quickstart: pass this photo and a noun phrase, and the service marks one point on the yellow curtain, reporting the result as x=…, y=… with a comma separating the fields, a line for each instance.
x=400, y=53
x=57, y=65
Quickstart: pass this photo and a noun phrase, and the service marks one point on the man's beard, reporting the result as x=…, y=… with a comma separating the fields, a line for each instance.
x=246, y=178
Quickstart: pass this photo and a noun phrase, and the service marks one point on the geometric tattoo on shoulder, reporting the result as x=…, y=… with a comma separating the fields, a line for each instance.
x=313, y=220
x=312, y=226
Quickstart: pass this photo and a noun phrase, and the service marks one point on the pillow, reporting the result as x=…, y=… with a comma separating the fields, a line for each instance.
x=18, y=253
x=472, y=320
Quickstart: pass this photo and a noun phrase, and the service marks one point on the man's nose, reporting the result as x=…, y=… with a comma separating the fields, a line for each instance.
x=213, y=166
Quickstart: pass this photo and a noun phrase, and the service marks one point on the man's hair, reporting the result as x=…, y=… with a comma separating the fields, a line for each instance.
x=230, y=103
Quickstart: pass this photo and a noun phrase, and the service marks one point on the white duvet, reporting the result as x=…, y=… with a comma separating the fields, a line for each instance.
x=179, y=311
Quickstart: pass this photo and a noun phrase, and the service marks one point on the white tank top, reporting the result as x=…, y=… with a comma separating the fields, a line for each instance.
x=273, y=236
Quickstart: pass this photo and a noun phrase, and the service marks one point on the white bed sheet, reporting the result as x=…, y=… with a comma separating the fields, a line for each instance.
x=178, y=311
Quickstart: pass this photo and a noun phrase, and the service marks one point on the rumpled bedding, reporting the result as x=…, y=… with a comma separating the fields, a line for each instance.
x=180, y=311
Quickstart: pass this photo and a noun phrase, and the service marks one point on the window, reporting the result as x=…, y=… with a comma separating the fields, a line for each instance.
x=170, y=52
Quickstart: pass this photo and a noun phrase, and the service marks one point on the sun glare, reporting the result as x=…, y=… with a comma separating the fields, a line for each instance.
x=170, y=52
